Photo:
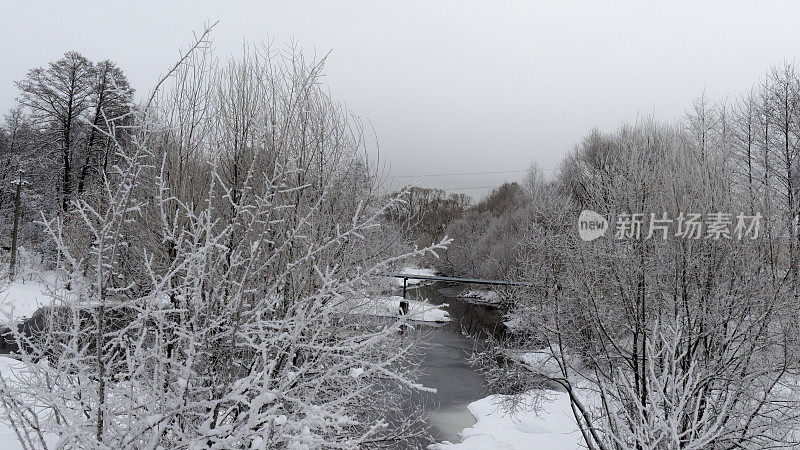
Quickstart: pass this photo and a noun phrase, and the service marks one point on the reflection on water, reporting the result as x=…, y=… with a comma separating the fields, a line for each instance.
x=476, y=320
x=444, y=352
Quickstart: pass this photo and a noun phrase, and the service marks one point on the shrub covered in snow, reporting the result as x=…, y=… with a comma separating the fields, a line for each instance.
x=239, y=219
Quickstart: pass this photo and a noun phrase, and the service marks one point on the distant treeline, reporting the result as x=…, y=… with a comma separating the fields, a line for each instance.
x=753, y=140
x=58, y=138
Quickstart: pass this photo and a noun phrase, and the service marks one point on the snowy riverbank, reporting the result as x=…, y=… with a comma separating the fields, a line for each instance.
x=481, y=296
x=390, y=307
x=551, y=427
x=21, y=299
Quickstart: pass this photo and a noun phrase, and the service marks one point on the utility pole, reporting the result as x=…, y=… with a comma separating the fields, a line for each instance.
x=13, y=263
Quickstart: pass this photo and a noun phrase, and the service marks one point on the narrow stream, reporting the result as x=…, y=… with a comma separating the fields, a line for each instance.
x=445, y=351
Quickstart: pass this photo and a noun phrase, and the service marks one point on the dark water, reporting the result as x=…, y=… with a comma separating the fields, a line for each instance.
x=444, y=351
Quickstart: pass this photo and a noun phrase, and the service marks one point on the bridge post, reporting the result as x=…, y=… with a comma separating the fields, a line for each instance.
x=404, y=302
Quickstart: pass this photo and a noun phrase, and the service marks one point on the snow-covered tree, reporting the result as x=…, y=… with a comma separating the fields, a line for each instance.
x=667, y=342
x=209, y=290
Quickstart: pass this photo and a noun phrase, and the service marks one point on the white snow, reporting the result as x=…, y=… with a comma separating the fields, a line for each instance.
x=424, y=311
x=8, y=438
x=512, y=324
x=410, y=270
x=550, y=427
x=7, y=435
x=481, y=296
x=542, y=361
x=390, y=307
x=21, y=299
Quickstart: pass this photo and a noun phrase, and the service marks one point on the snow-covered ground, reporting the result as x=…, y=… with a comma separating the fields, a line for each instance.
x=551, y=427
x=21, y=299
x=9, y=368
x=7, y=436
x=486, y=296
x=390, y=307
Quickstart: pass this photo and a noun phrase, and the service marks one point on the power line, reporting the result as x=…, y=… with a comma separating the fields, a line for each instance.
x=472, y=187
x=430, y=175
x=460, y=173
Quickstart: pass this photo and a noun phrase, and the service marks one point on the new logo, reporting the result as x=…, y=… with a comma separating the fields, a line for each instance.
x=591, y=225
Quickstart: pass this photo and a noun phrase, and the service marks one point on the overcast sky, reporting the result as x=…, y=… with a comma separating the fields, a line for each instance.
x=450, y=87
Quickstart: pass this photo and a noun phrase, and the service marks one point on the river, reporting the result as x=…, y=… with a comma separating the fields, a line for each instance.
x=445, y=350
